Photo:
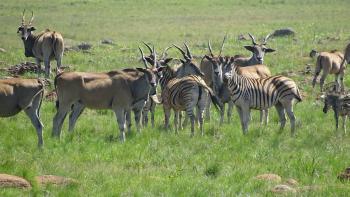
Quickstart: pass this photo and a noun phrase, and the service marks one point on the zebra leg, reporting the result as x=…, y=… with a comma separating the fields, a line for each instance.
x=281, y=115
x=229, y=111
x=222, y=114
x=246, y=119
x=239, y=110
x=289, y=109
x=207, y=110
x=120, y=115
x=200, y=113
x=336, y=116
x=176, y=121
x=344, y=121
x=74, y=115
x=166, y=117
x=261, y=117
x=266, y=116
x=200, y=110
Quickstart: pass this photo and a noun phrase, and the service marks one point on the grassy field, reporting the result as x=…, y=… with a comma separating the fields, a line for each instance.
x=160, y=163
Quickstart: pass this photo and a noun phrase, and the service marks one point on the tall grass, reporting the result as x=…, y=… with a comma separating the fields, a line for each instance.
x=157, y=162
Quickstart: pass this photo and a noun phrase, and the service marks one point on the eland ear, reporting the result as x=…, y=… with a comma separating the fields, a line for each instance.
x=149, y=60
x=249, y=48
x=32, y=29
x=167, y=60
x=269, y=50
x=208, y=57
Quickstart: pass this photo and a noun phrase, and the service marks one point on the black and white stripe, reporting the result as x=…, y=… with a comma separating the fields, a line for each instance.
x=183, y=94
x=248, y=93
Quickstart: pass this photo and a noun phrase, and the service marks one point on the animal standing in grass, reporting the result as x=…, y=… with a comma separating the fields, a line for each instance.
x=247, y=93
x=18, y=94
x=183, y=94
x=115, y=90
x=340, y=104
x=330, y=63
x=252, y=67
x=44, y=46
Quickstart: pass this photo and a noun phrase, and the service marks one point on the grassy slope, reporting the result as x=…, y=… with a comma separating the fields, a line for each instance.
x=158, y=162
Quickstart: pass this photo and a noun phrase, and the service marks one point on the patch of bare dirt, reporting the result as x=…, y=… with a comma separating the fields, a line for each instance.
x=44, y=180
x=269, y=177
x=12, y=181
x=283, y=189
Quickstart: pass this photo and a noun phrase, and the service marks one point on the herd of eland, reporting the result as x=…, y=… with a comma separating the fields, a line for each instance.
x=241, y=81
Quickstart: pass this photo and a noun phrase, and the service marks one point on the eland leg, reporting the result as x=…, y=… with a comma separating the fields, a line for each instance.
x=120, y=115
x=59, y=119
x=32, y=114
x=77, y=110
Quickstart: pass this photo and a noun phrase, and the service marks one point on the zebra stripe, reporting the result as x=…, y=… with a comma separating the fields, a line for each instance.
x=249, y=93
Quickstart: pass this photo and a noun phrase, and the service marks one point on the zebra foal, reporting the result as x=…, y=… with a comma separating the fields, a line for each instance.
x=249, y=93
x=340, y=104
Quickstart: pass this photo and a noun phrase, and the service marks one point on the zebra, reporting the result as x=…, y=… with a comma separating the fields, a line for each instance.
x=340, y=104
x=183, y=94
x=249, y=93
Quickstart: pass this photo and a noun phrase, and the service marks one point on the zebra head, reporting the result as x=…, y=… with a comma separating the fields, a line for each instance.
x=258, y=50
x=228, y=67
x=331, y=100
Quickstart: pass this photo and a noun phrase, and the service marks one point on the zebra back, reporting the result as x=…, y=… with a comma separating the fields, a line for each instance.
x=262, y=93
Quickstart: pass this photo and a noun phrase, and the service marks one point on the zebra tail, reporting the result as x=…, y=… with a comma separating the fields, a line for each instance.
x=298, y=96
x=217, y=102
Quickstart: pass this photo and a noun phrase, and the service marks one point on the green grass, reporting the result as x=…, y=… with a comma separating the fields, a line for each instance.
x=158, y=162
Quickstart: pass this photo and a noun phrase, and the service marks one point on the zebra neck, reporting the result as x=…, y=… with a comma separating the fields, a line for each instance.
x=167, y=76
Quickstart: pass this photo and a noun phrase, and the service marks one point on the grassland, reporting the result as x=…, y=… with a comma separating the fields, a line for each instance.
x=157, y=162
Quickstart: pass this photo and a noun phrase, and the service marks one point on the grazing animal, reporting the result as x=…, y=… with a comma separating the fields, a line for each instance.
x=183, y=94
x=116, y=90
x=340, y=104
x=44, y=46
x=258, y=53
x=18, y=94
x=247, y=93
x=330, y=63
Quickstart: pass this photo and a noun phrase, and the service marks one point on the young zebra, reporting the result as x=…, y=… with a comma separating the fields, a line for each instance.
x=248, y=93
x=183, y=94
x=340, y=105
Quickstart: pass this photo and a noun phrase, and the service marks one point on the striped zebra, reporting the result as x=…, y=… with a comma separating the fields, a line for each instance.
x=183, y=94
x=248, y=93
x=340, y=104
